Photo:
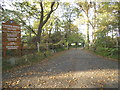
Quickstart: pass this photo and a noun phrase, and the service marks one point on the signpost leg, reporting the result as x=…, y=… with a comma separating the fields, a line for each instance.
x=4, y=53
x=38, y=45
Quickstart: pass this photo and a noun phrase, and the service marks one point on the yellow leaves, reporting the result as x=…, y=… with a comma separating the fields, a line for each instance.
x=41, y=82
x=109, y=77
x=25, y=87
x=72, y=81
x=112, y=80
x=93, y=83
x=52, y=77
x=75, y=79
x=92, y=77
x=17, y=81
x=13, y=84
x=7, y=83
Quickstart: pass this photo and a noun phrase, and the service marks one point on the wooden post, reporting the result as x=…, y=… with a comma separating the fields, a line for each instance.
x=4, y=52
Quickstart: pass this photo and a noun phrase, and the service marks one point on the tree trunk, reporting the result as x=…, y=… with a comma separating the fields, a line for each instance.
x=43, y=21
x=87, y=29
x=94, y=22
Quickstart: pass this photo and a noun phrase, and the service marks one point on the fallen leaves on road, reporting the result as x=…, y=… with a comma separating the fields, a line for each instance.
x=45, y=79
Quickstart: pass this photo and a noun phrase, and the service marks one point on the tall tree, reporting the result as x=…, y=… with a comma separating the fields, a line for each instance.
x=26, y=12
x=70, y=13
x=85, y=7
x=44, y=19
x=107, y=24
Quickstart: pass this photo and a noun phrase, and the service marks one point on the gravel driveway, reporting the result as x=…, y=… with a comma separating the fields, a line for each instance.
x=75, y=68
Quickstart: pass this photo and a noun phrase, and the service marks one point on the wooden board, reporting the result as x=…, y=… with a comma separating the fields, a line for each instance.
x=11, y=36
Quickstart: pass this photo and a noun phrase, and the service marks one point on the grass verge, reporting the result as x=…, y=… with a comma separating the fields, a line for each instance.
x=27, y=60
x=107, y=52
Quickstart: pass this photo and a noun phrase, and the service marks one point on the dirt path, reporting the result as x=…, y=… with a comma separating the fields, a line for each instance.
x=75, y=68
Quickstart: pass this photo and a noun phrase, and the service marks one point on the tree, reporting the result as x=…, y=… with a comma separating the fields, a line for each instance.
x=69, y=14
x=44, y=19
x=75, y=36
x=26, y=11
x=85, y=7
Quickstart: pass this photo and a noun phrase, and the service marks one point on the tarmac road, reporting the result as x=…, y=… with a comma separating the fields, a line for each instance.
x=74, y=68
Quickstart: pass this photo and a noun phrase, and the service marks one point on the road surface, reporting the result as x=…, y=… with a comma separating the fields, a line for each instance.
x=74, y=68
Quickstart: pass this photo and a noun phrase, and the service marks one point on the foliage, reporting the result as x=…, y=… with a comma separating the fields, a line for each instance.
x=108, y=52
x=26, y=60
x=106, y=42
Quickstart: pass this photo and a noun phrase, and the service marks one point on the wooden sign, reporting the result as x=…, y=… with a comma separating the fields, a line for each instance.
x=11, y=36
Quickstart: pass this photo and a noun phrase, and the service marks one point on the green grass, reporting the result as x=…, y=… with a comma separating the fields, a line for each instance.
x=108, y=52
x=25, y=60
x=61, y=49
x=6, y=65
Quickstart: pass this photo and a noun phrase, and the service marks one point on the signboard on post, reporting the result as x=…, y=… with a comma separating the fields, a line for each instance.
x=11, y=36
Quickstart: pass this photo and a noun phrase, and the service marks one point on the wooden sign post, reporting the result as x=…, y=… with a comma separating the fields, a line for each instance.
x=11, y=36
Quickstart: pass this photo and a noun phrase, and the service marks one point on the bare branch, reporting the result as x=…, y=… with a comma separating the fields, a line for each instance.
x=25, y=23
x=87, y=16
x=48, y=16
x=57, y=6
x=42, y=22
x=52, y=5
x=42, y=12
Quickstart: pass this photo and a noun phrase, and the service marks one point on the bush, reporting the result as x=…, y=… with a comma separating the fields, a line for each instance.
x=60, y=49
x=109, y=52
x=6, y=65
x=26, y=60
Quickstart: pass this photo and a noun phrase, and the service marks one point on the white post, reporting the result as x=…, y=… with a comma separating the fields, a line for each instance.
x=67, y=46
x=38, y=46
